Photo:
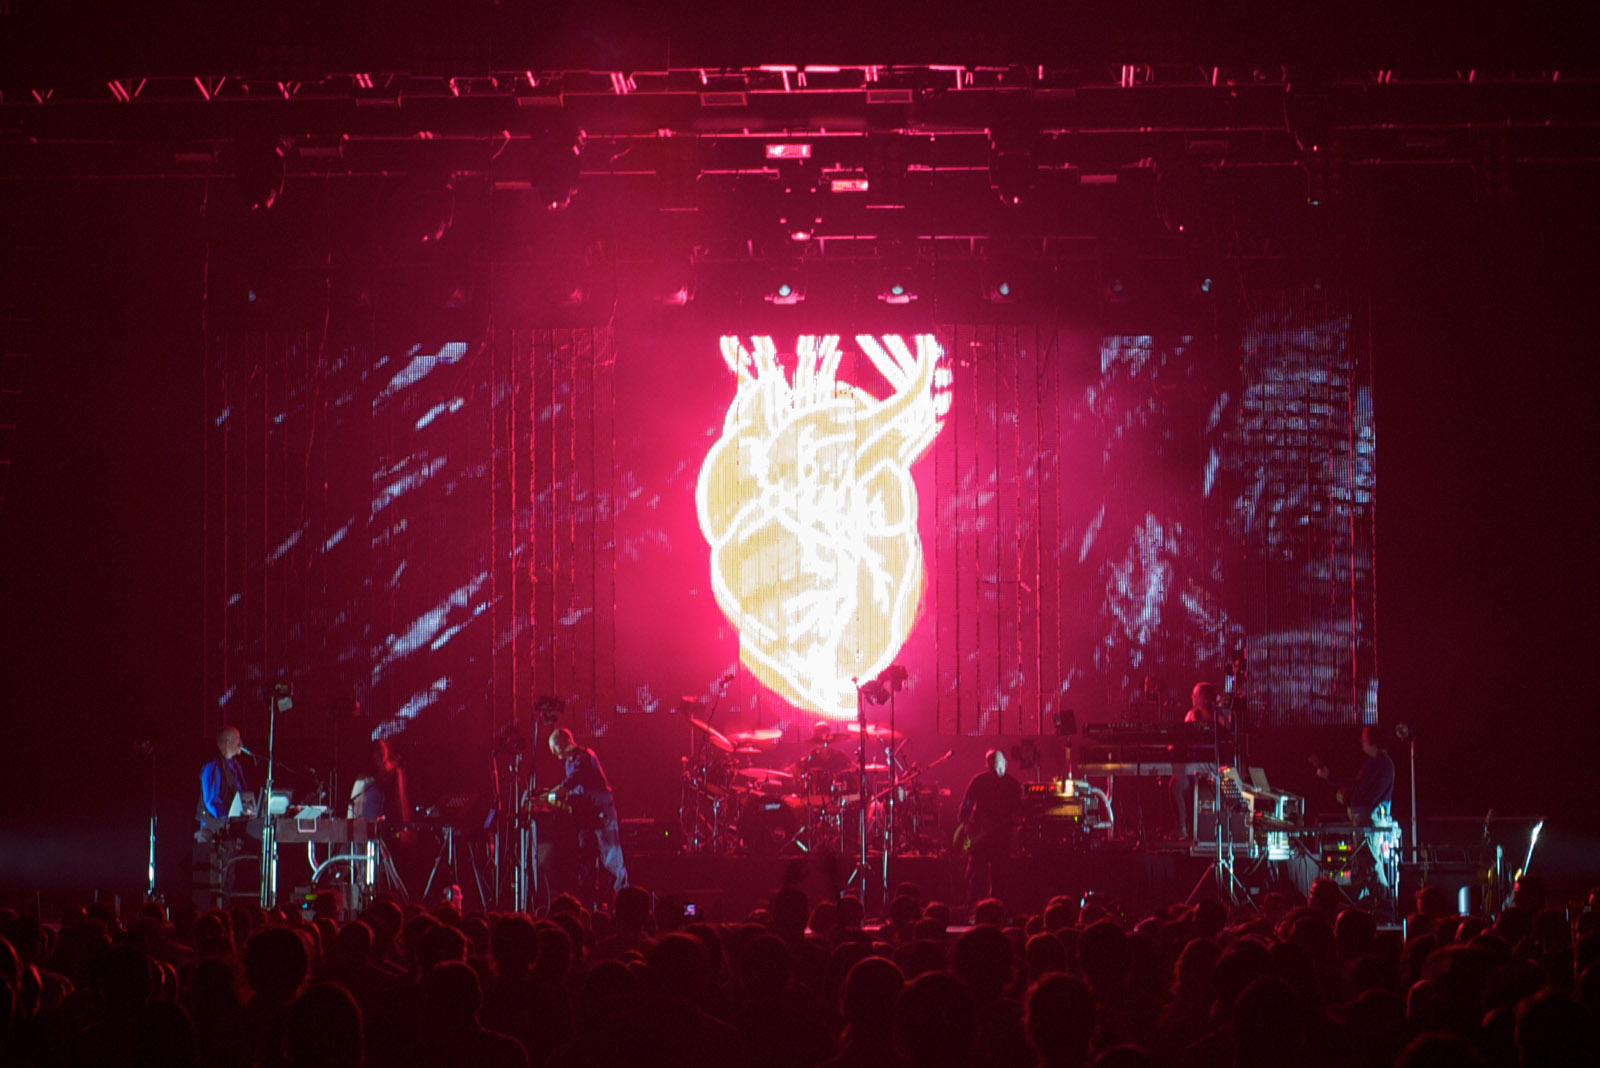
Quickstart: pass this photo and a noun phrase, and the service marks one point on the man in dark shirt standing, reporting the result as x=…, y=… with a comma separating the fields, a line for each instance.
x=587, y=792
x=1367, y=796
x=988, y=817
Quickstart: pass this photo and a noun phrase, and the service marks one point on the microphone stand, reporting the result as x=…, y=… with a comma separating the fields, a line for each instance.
x=1227, y=883
x=149, y=750
x=1405, y=734
x=891, y=679
x=269, y=838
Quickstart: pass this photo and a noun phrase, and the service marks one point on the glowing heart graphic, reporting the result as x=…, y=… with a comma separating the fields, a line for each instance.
x=808, y=505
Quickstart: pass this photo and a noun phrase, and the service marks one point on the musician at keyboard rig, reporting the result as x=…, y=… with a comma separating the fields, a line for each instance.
x=381, y=793
x=222, y=812
x=587, y=792
x=1205, y=708
x=222, y=779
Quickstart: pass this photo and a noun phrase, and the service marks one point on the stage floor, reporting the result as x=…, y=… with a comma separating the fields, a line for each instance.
x=729, y=888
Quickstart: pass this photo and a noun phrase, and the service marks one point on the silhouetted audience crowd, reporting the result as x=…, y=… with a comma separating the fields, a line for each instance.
x=1305, y=984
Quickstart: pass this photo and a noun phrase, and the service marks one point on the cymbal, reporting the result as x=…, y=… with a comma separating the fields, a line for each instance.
x=765, y=736
x=714, y=736
x=764, y=775
x=873, y=730
x=747, y=750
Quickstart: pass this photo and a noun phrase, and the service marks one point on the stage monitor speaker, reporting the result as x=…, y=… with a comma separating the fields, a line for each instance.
x=649, y=836
x=1463, y=884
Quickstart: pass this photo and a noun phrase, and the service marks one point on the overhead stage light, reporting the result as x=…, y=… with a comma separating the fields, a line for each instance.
x=555, y=169
x=787, y=292
x=1012, y=168
x=1325, y=174
x=897, y=277
x=786, y=282
x=672, y=281
x=886, y=159
x=258, y=169
x=1001, y=280
x=800, y=214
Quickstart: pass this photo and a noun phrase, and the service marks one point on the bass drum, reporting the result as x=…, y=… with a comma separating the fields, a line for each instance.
x=770, y=825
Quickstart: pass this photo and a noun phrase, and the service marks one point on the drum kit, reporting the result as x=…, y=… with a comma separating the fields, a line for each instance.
x=735, y=802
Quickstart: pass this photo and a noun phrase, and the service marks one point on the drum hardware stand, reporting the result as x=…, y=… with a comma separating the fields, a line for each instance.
x=280, y=697
x=447, y=856
x=688, y=706
x=876, y=691
x=891, y=679
x=859, y=876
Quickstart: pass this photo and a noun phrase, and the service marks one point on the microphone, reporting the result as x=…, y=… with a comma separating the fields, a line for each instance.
x=248, y=753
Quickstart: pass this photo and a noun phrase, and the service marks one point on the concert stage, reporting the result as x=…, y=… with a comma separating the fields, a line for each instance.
x=350, y=398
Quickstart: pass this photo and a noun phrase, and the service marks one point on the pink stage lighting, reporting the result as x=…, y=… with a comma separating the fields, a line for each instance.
x=807, y=502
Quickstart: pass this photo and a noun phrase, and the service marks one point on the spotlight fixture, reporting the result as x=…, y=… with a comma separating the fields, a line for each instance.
x=1181, y=195
x=886, y=157
x=786, y=292
x=420, y=207
x=259, y=171
x=800, y=214
x=672, y=281
x=1012, y=169
x=1491, y=167
x=786, y=284
x=678, y=173
x=1325, y=174
x=897, y=293
x=897, y=275
x=555, y=169
x=1001, y=280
